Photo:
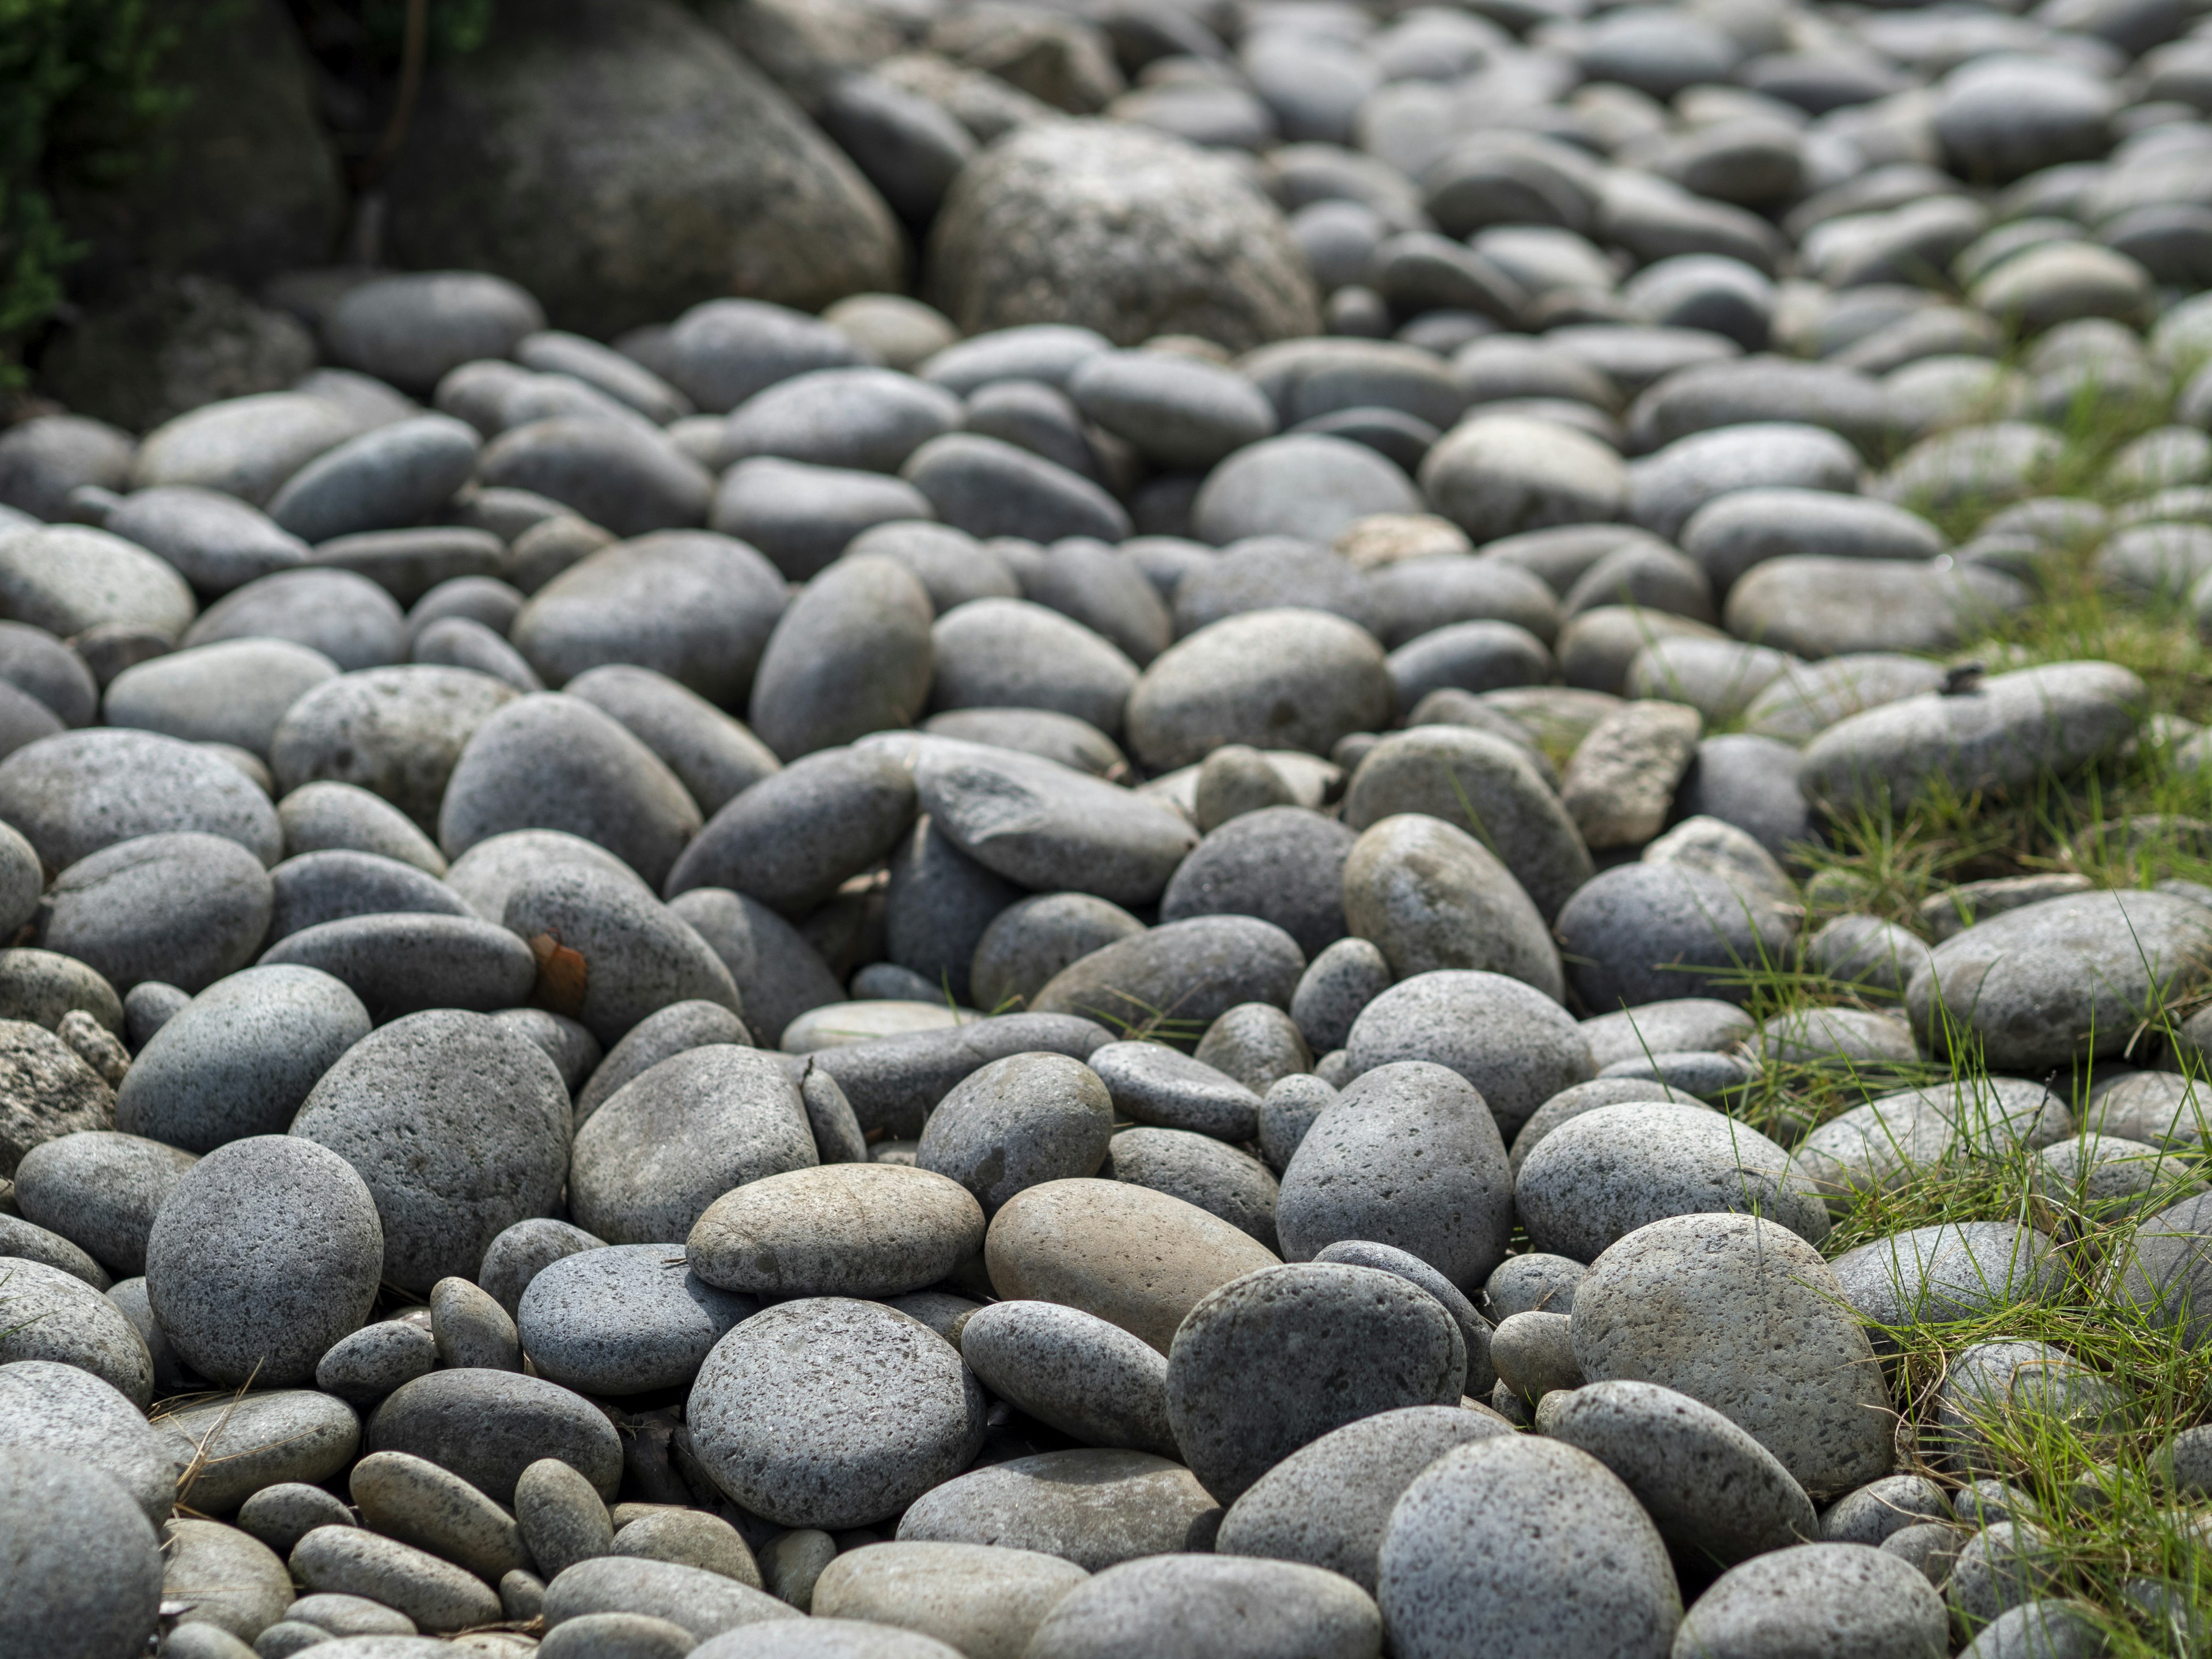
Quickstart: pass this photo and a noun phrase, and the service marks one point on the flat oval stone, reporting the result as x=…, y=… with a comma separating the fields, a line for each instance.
x=638, y=957
x=1678, y=1456
x=1296, y=679
x=375, y=1360
x=1489, y=1524
x=488, y=1426
x=851, y=654
x=99, y=1190
x=400, y=964
x=702, y=1602
x=460, y=1128
x=319, y=887
x=1016, y=1123
x=791, y=839
x=354, y=1561
x=627, y=1319
x=266, y=1313
x=1431, y=897
x=1516, y=1046
x=1090, y=1507
x=1154, y=1084
x=1366, y=1169
x=832, y=1413
x=49, y=1408
x=1603, y=1174
x=893, y=1083
x=1373, y=1343
x=1072, y=1371
x=1198, y=968
x=188, y=908
x=395, y=731
x=331, y=816
x=670, y=1142
x=87, y=1564
x=1854, y=1599
x=235, y=691
x=1953, y=1271
x=57, y=1319
x=985, y=1600
x=861, y=1230
x=236, y=1447
x=68, y=578
x=713, y=755
x=346, y=618
x=1683, y=1301
x=74, y=794
x=1180, y=1606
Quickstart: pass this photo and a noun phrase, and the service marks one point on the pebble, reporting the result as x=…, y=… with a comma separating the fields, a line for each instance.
x=1732, y=1280
x=281, y=1515
x=704, y=1603
x=985, y=1600
x=236, y=1448
x=1198, y=969
x=1190, y=1605
x=1517, y=1046
x=1529, y=1530
x=1431, y=897
x=1074, y=1371
x=413, y=1500
x=489, y=1426
x=791, y=1407
x=1094, y=1507
x=425, y=1087
x=857, y=1230
x=352, y=1561
x=87, y=1564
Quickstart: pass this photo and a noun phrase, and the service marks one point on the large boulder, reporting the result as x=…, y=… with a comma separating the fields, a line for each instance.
x=1132, y=233
x=622, y=162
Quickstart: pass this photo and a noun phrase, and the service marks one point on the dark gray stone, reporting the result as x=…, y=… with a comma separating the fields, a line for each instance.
x=713, y=755
x=374, y=1361
x=626, y=1320
x=74, y=794
x=1281, y=864
x=639, y=957
x=893, y=1083
x=400, y=964
x=319, y=887
x=188, y=907
x=233, y=1448
x=1190, y=971
x=1516, y=1046
x=851, y=654
x=791, y=839
x=99, y=1190
x=488, y=1426
x=1016, y=1123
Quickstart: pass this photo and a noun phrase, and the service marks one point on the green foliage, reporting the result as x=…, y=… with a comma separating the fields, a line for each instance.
x=452, y=28
x=79, y=99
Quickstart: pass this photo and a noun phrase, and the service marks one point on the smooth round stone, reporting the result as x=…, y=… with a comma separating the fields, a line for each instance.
x=281, y=1515
x=852, y=654
x=629, y=1319
x=1136, y=1258
x=1885, y=1143
x=1031, y=940
x=397, y=731
x=1380, y=1343
x=1846, y=1596
x=49, y=673
x=2158, y=1108
x=1304, y=484
x=893, y=1083
x=1191, y=1605
x=1016, y=1123
x=320, y=887
x=1360, y=1172
x=353, y=1561
x=1328, y=1503
x=793, y=838
x=488, y=1426
x=985, y=1600
x=332, y=817
x=670, y=1142
x=376, y=1360
x=1046, y=827
x=1431, y=896
x=1256, y=1043
x=1531, y=1531
x=556, y=763
x=398, y=964
x=827, y=1638
x=410, y=330
x=1219, y=1179
x=988, y=487
x=1606, y=1172
x=523, y=1251
x=409, y=1498
x=829, y=1412
x=690, y=1538
x=1295, y=679
x=346, y=618
x=617, y=1635
x=67, y=579
x=868, y=418
x=802, y=516
x=243, y=446
x=1516, y=1046
x=1497, y=475
x=215, y=541
x=936, y=906
x=48, y=1408
x=1682, y=1302
x=99, y=1190
x=85, y=1563
x=1667, y=487
x=2047, y=979
x=865, y=1019
x=1881, y=1509
x=1633, y=919
x=1155, y=1083
x=713, y=755
x=1677, y=1456
x=994, y=652
x=1820, y=607
x=269, y=1312
x=697, y=608
x=395, y=475
x=1093, y=1508
x=624, y=475
x=189, y=907
x=702, y=1602
x=234, y=692
x=560, y=1516
x=1442, y=770
x=235, y=1447
x=459, y=642
x=74, y=794
x=59, y=1319
x=1198, y=968
x=639, y=957
x=658, y=1037
x=1955, y=1271
x=1745, y=528
x=1177, y=412
x=1076, y=1372
x=1262, y=573
x=861, y=1230
x=459, y=1126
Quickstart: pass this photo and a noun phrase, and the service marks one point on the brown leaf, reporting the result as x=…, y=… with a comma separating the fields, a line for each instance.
x=561, y=975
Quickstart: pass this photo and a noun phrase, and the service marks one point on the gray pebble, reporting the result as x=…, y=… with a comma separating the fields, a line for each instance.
x=1031, y=940
x=1074, y=1371
x=523, y=1251
x=1533, y=1283
x=704, y=1603
x=99, y=1190
x=1379, y=1342
x=51, y=1409
x=232, y=1448
x=1091, y=1507
x=617, y=1635
x=46, y=1089
x=413, y=1500
x=1516, y=1046
x=347, y=617
x=1431, y=896
x=1530, y=1530
x=234, y=691
x=281, y=1515
x=1227, y=682
x=1360, y=1173
x=791, y=839
x=267, y=1313
x=60, y=1317
x=29, y=1242
x=85, y=1563
x=1182, y=1607
x=1881, y=1509
x=375, y=1360
x=1200, y=1170
x=1017, y=1122
x=851, y=654
x=1289, y=1110
x=628, y=1319
x=470, y=1329
x=171, y=1374
x=190, y=907
x=74, y=794
x=858, y=1229
x=330, y=816
x=459, y=1081
x=1535, y=1357
x=1845, y=1597
x=667, y=1144
x=38, y=987
x=693, y=1023
x=794, y=1405
x=690, y=1538
x=401, y=964
x=320, y=887
x=562, y=1519
x=240, y=1058
x=1198, y=969
x=489, y=1426
x=351, y=1560
x=640, y=958
x=1155, y=1083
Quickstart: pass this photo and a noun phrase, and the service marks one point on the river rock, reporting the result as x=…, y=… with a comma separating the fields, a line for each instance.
x=1516, y=1046
x=1093, y=1508
x=87, y=1563
x=985, y=1600
x=860, y=1230
x=489, y=1426
x=1180, y=1607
